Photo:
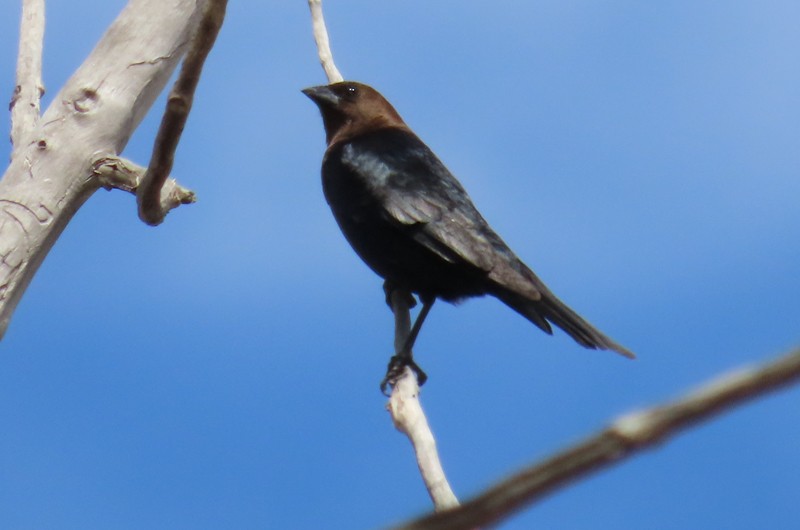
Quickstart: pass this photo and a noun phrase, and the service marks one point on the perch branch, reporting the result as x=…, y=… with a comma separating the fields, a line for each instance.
x=28, y=90
x=409, y=418
x=625, y=437
x=323, y=43
x=179, y=104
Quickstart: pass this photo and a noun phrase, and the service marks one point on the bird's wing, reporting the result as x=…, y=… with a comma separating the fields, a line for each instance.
x=417, y=192
x=420, y=195
x=447, y=231
x=461, y=235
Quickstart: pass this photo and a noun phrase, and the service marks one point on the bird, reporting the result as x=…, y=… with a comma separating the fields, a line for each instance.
x=413, y=223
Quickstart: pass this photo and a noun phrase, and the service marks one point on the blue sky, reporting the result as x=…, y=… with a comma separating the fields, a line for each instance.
x=221, y=371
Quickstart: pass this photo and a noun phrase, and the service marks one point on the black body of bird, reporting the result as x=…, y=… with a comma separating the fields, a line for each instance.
x=413, y=223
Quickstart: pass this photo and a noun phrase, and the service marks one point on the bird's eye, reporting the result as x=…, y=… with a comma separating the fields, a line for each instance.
x=352, y=91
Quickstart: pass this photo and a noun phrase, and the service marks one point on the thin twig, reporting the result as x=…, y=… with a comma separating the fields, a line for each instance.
x=323, y=43
x=409, y=418
x=625, y=437
x=179, y=104
x=28, y=91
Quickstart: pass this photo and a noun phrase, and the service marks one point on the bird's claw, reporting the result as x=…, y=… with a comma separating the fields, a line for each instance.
x=395, y=370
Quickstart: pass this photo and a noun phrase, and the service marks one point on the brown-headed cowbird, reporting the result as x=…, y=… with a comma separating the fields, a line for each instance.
x=413, y=223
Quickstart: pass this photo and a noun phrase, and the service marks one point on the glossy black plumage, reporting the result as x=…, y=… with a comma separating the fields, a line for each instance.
x=413, y=223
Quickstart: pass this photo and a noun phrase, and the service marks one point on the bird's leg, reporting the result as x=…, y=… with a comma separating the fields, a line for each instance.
x=389, y=289
x=404, y=356
x=427, y=303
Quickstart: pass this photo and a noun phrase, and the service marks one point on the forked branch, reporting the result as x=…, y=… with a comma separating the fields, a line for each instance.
x=56, y=159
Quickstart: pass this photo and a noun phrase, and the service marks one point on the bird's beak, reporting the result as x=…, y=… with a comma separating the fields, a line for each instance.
x=322, y=95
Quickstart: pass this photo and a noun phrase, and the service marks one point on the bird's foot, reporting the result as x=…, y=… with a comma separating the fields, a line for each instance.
x=389, y=289
x=396, y=368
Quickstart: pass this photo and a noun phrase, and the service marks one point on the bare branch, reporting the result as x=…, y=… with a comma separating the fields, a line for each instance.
x=409, y=418
x=28, y=91
x=116, y=173
x=625, y=437
x=179, y=104
x=51, y=174
x=323, y=43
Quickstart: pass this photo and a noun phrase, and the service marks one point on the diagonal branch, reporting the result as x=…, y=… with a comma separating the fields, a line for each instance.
x=625, y=437
x=28, y=90
x=179, y=104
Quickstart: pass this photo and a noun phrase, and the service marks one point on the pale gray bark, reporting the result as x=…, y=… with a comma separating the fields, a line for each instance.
x=323, y=42
x=409, y=418
x=91, y=119
x=29, y=88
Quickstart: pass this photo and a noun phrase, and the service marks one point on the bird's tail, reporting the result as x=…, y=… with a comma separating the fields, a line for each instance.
x=549, y=309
